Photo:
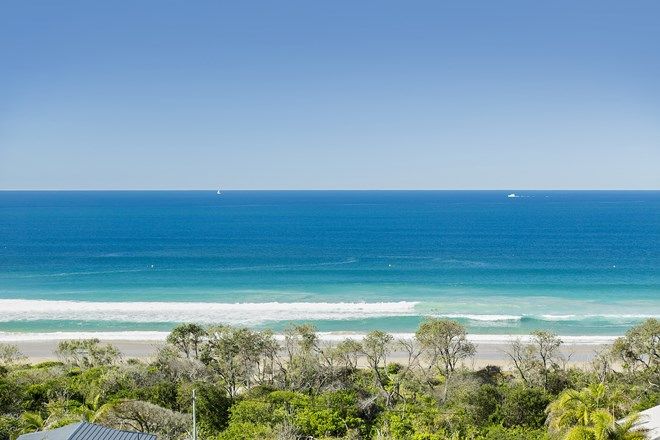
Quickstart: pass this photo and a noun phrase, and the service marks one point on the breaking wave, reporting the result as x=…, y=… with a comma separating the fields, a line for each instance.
x=255, y=313
x=206, y=313
x=609, y=317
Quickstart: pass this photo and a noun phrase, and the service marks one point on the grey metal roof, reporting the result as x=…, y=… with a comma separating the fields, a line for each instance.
x=63, y=433
x=650, y=419
x=86, y=431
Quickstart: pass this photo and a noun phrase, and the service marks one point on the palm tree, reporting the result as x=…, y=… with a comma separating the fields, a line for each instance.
x=627, y=430
x=92, y=408
x=588, y=415
x=60, y=413
x=32, y=421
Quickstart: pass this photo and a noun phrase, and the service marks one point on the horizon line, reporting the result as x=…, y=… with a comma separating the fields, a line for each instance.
x=311, y=189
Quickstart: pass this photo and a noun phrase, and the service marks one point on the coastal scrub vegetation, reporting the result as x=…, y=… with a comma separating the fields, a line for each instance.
x=255, y=385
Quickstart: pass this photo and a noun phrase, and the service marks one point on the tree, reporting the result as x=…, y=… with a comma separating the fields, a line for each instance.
x=575, y=408
x=250, y=387
x=640, y=347
x=523, y=358
x=389, y=378
x=627, y=429
x=446, y=344
x=237, y=355
x=483, y=403
x=300, y=340
x=187, y=338
x=213, y=407
x=86, y=353
x=347, y=352
x=376, y=345
x=327, y=414
x=539, y=356
x=59, y=412
x=498, y=432
x=174, y=367
x=589, y=414
x=244, y=431
x=142, y=416
x=601, y=364
x=31, y=422
x=524, y=406
x=302, y=369
x=10, y=396
x=10, y=354
x=547, y=348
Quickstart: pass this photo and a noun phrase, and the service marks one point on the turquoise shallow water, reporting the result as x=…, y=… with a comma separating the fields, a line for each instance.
x=578, y=263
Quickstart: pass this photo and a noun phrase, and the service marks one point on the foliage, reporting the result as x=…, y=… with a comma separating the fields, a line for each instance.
x=535, y=361
x=146, y=417
x=640, y=348
x=10, y=427
x=329, y=414
x=87, y=353
x=498, y=432
x=10, y=354
x=213, y=406
x=524, y=406
x=589, y=414
x=446, y=343
x=250, y=386
x=239, y=356
x=347, y=353
x=246, y=431
x=188, y=338
x=10, y=397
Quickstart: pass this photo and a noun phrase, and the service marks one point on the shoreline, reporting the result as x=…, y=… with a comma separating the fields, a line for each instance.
x=160, y=336
x=579, y=350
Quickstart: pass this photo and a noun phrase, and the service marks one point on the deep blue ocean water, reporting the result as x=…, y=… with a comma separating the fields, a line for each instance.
x=578, y=263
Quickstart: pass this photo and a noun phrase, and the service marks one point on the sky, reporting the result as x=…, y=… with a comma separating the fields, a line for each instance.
x=338, y=94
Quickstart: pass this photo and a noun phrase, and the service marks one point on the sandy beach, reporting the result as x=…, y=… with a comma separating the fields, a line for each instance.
x=578, y=354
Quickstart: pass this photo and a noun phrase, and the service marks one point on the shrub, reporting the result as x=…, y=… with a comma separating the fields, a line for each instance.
x=524, y=406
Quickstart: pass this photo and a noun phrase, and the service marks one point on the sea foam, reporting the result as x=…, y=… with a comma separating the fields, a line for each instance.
x=260, y=313
x=201, y=312
x=485, y=318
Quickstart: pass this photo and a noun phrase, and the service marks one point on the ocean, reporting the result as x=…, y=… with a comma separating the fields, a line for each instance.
x=579, y=263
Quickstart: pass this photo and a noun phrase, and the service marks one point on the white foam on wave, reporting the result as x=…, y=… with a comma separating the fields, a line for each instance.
x=255, y=313
x=610, y=316
x=204, y=313
x=104, y=336
x=546, y=317
x=484, y=318
x=156, y=336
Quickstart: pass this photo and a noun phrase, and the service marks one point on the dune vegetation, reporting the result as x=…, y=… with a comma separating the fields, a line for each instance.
x=253, y=385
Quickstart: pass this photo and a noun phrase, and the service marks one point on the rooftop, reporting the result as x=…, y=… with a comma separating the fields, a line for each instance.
x=86, y=431
x=650, y=419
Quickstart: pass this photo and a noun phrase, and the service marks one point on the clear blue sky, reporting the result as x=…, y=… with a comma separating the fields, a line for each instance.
x=329, y=94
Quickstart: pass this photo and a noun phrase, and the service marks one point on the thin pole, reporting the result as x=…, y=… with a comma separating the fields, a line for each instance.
x=194, y=414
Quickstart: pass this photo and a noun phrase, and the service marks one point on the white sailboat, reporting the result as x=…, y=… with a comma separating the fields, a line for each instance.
x=219, y=192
